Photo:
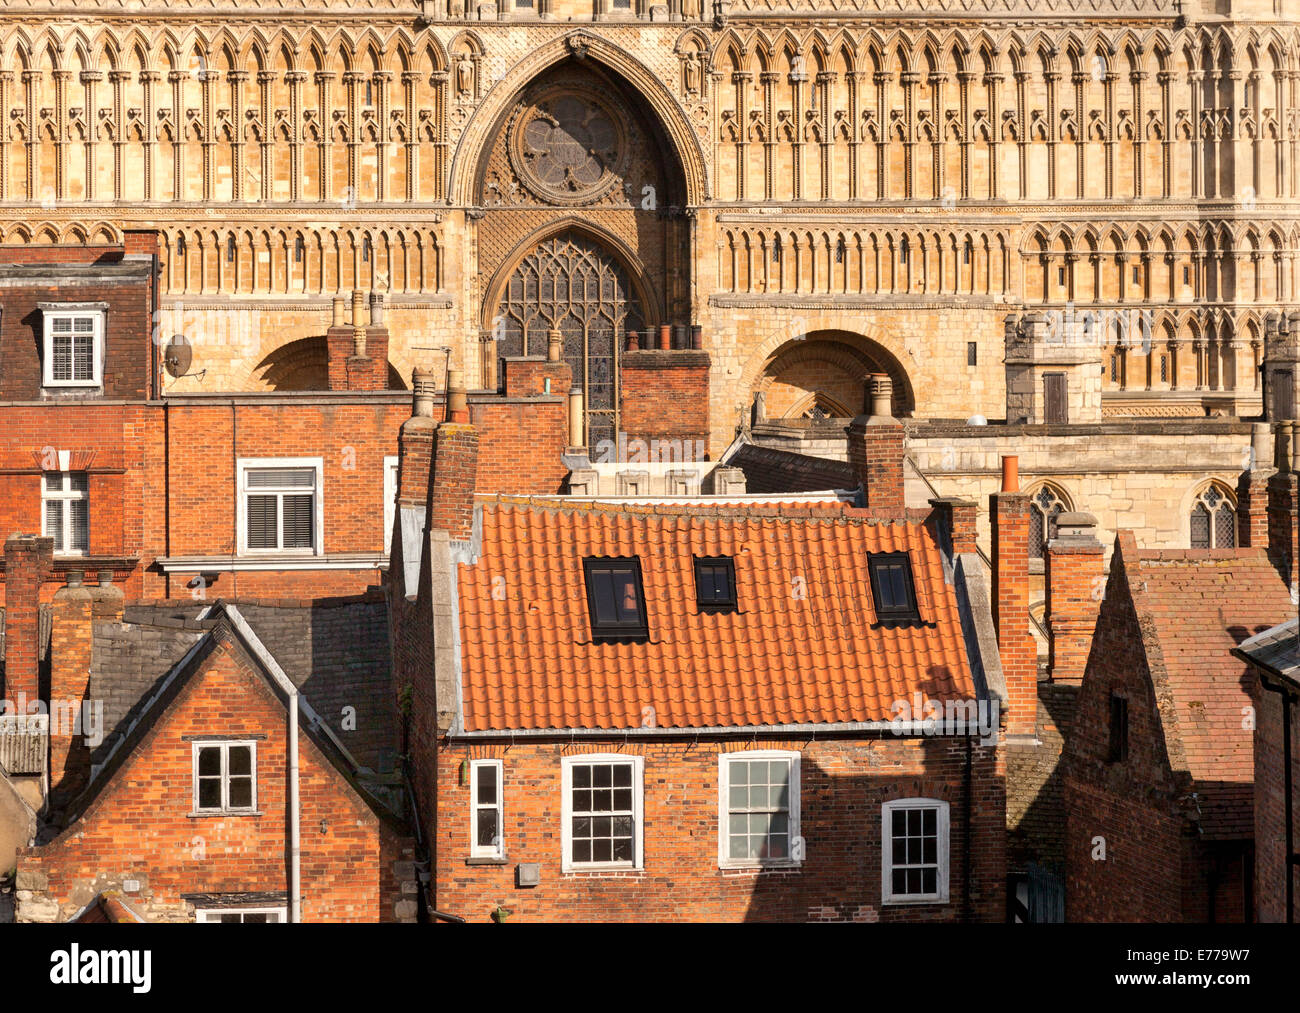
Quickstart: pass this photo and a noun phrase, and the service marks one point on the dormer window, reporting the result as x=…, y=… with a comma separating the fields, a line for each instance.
x=73, y=344
x=715, y=584
x=892, y=588
x=616, y=599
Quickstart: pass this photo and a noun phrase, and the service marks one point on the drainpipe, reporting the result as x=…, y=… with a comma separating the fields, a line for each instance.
x=966, y=845
x=295, y=817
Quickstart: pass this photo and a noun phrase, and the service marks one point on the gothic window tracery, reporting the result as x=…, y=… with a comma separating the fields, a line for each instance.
x=571, y=283
x=1213, y=520
x=1045, y=504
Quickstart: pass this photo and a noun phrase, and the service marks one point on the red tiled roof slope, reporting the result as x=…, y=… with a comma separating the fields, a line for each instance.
x=801, y=649
x=1204, y=602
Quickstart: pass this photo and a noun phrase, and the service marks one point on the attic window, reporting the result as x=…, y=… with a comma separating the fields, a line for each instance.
x=225, y=777
x=892, y=588
x=715, y=584
x=615, y=599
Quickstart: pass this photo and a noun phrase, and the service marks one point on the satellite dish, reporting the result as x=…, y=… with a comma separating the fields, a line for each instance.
x=178, y=355
x=977, y=420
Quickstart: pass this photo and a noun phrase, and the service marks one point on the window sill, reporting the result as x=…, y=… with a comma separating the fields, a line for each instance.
x=913, y=902
x=760, y=868
x=274, y=561
x=211, y=814
x=486, y=860
x=584, y=870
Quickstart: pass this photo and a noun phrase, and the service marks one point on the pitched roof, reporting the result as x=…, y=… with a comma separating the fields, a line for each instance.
x=1202, y=603
x=1275, y=651
x=768, y=470
x=804, y=646
x=335, y=652
x=156, y=668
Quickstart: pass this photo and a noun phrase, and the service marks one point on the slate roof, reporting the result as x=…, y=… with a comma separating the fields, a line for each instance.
x=775, y=471
x=335, y=653
x=804, y=647
x=133, y=669
x=1275, y=650
x=1202, y=603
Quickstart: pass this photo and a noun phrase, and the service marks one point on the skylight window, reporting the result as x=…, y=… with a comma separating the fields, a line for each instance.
x=715, y=584
x=892, y=588
x=616, y=599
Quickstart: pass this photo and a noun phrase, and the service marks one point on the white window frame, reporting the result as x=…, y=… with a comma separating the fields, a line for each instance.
x=51, y=312
x=225, y=745
x=201, y=914
x=65, y=497
x=390, y=501
x=567, y=764
x=247, y=464
x=942, y=827
x=477, y=850
x=725, y=860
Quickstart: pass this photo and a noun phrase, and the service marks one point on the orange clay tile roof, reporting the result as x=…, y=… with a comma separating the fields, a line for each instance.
x=1204, y=602
x=801, y=648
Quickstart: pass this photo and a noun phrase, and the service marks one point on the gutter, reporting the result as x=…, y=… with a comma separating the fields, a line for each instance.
x=902, y=729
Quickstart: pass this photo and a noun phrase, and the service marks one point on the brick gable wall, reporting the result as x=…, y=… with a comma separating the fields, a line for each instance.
x=139, y=826
x=1130, y=805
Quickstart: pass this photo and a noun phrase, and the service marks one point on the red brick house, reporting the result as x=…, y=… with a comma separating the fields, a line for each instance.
x=218, y=494
x=184, y=797
x=700, y=712
x=1159, y=763
x=1275, y=663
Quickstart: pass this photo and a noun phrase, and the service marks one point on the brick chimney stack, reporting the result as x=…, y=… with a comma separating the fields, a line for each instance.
x=1252, y=488
x=455, y=467
x=1073, y=577
x=958, y=518
x=1009, y=517
x=357, y=353
x=28, y=562
x=876, y=448
x=1283, y=499
x=75, y=609
x=415, y=442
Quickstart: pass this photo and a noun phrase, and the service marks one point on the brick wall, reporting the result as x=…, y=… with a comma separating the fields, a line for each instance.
x=139, y=826
x=665, y=395
x=527, y=376
x=27, y=563
x=162, y=478
x=843, y=786
x=1270, y=805
x=1127, y=808
x=65, y=276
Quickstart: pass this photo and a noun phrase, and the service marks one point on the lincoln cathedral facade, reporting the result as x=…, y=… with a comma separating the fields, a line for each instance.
x=1079, y=212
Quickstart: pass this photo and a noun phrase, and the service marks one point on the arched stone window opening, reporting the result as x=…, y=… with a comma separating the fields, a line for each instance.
x=1212, y=523
x=1045, y=504
x=571, y=283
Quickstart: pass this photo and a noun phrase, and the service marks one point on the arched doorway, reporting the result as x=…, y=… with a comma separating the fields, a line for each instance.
x=570, y=282
x=823, y=376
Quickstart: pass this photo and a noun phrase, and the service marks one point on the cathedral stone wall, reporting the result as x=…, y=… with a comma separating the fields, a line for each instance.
x=883, y=180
